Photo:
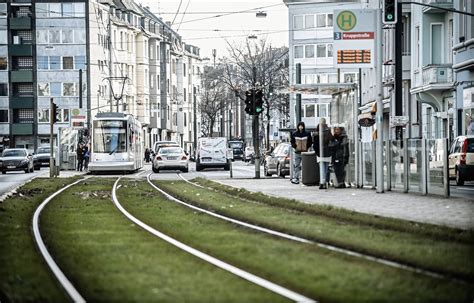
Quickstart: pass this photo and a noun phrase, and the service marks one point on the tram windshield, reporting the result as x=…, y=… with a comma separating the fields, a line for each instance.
x=110, y=136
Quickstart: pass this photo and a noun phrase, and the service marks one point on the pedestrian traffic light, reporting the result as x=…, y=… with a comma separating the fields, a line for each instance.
x=389, y=12
x=55, y=113
x=249, y=101
x=258, y=101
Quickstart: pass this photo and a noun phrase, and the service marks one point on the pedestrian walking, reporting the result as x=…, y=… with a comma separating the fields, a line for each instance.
x=80, y=156
x=147, y=155
x=323, y=151
x=340, y=155
x=300, y=141
x=87, y=156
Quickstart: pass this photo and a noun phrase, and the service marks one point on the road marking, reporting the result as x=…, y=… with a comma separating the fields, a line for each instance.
x=221, y=264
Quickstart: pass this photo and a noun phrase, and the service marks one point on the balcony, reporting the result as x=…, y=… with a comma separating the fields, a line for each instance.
x=21, y=76
x=439, y=3
x=437, y=74
x=22, y=102
x=21, y=50
x=20, y=23
x=22, y=129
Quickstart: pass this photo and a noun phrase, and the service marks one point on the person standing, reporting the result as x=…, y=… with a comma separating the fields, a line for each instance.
x=147, y=155
x=323, y=151
x=80, y=156
x=300, y=141
x=340, y=155
x=87, y=155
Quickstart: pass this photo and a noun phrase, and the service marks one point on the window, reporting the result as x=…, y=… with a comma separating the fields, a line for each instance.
x=42, y=10
x=55, y=10
x=3, y=89
x=436, y=43
x=43, y=62
x=329, y=24
x=3, y=37
x=184, y=94
x=43, y=115
x=332, y=78
x=23, y=89
x=309, y=111
x=3, y=63
x=184, y=69
x=67, y=10
x=3, y=10
x=79, y=10
x=417, y=46
x=23, y=116
x=80, y=36
x=80, y=62
x=69, y=89
x=321, y=20
x=329, y=50
x=55, y=88
x=323, y=110
x=309, y=51
x=54, y=62
x=298, y=51
x=68, y=62
x=3, y=115
x=321, y=50
x=68, y=36
x=309, y=21
x=54, y=36
x=43, y=89
x=298, y=22
x=42, y=37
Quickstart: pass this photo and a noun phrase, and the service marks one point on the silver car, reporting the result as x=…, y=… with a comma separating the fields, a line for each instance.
x=16, y=159
x=278, y=162
x=170, y=157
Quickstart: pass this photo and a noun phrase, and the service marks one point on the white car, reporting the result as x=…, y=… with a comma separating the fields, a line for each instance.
x=170, y=157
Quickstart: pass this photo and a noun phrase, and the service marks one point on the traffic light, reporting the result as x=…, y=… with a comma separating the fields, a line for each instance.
x=389, y=12
x=55, y=113
x=258, y=102
x=249, y=101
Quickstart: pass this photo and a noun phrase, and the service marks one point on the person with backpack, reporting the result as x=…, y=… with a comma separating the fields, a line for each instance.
x=301, y=142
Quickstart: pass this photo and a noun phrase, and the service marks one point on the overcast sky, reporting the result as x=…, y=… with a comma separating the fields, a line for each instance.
x=212, y=32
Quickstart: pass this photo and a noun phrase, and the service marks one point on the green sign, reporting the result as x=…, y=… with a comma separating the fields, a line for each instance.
x=346, y=20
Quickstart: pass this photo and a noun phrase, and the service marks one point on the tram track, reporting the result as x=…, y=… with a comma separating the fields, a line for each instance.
x=287, y=293
x=295, y=238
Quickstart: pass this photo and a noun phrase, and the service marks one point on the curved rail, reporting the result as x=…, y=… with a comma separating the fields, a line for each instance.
x=300, y=239
x=63, y=280
x=221, y=264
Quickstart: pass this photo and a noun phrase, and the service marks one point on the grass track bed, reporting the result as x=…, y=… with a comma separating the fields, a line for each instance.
x=307, y=269
x=449, y=257
x=108, y=258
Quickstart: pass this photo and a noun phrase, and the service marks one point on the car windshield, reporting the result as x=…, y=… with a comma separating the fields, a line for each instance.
x=14, y=153
x=170, y=150
x=236, y=144
x=110, y=137
x=163, y=144
x=43, y=150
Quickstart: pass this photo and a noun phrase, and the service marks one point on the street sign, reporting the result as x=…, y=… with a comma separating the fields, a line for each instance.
x=398, y=120
x=78, y=118
x=354, y=38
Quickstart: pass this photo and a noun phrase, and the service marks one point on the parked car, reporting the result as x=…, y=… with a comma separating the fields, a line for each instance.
x=461, y=159
x=41, y=157
x=278, y=162
x=170, y=157
x=237, y=149
x=249, y=152
x=15, y=159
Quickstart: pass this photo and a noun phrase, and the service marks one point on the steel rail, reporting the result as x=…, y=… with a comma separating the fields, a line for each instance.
x=303, y=240
x=63, y=280
x=216, y=262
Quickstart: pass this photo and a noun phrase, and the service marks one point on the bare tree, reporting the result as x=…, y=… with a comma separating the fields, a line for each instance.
x=213, y=99
x=257, y=65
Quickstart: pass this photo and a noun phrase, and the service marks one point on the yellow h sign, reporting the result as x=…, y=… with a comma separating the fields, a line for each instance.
x=346, y=20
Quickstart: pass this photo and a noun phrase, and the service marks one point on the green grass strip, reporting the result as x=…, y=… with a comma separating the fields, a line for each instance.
x=317, y=273
x=108, y=258
x=447, y=257
x=344, y=215
x=24, y=276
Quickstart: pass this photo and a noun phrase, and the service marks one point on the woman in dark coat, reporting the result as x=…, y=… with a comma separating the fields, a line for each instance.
x=340, y=155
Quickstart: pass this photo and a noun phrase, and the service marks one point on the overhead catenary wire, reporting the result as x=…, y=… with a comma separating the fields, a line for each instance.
x=179, y=6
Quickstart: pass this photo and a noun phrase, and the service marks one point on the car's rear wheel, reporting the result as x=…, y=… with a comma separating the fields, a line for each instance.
x=4, y=172
x=185, y=170
x=459, y=179
x=38, y=168
x=154, y=169
x=198, y=166
x=227, y=166
x=27, y=171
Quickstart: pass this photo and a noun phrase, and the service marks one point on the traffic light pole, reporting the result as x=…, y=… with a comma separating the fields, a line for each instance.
x=379, y=115
x=51, y=144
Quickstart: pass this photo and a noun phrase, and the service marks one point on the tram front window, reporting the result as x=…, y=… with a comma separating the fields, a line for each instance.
x=110, y=137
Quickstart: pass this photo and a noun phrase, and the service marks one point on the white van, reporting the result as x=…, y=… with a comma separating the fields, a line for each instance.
x=212, y=152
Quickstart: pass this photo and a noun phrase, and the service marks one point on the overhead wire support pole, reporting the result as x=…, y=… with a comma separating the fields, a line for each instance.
x=379, y=115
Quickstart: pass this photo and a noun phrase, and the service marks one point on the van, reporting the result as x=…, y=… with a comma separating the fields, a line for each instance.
x=461, y=159
x=212, y=152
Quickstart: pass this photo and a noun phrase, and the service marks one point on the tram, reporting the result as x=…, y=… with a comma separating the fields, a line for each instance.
x=116, y=143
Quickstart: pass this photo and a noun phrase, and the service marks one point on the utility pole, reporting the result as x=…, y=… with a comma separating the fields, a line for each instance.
x=298, y=96
x=194, y=122
x=110, y=60
x=398, y=72
x=379, y=115
x=51, y=137
x=255, y=128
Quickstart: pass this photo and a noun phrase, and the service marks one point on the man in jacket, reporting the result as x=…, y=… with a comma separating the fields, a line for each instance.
x=323, y=151
x=300, y=141
x=340, y=155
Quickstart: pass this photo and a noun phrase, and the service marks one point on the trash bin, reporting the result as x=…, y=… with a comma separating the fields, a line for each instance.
x=309, y=169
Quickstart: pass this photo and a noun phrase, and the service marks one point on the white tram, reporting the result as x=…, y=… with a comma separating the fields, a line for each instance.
x=117, y=143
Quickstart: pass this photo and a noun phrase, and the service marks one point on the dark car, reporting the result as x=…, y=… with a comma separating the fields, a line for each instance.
x=41, y=157
x=237, y=148
x=278, y=162
x=15, y=159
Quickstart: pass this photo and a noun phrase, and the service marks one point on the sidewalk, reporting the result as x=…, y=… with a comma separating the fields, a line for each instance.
x=453, y=212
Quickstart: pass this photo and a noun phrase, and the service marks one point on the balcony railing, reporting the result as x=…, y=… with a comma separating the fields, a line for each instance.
x=437, y=74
